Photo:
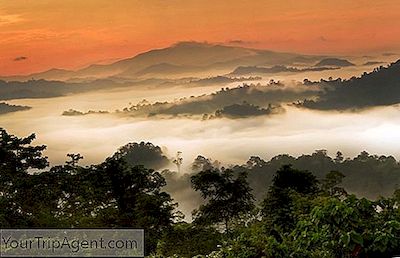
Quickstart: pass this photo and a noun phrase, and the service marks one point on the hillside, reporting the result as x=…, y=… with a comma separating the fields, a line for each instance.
x=336, y=62
x=181, y=57
x=7, y=108
x=378, y=88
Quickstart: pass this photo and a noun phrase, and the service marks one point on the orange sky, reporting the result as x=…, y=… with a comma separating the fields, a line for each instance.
x=74, y=33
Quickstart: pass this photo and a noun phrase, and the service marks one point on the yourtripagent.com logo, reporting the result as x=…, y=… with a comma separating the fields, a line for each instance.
x=72, y=242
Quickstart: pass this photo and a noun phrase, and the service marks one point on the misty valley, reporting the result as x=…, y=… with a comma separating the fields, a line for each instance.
x=345, y=108
x=224, y=151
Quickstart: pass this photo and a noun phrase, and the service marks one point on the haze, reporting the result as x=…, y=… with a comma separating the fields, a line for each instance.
x=42, y=34
x=292, y=61
x=231, y=141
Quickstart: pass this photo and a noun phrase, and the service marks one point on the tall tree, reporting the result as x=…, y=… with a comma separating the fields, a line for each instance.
x=17, y=156
x=288, y=184
x=142, y=153
x=227, y=196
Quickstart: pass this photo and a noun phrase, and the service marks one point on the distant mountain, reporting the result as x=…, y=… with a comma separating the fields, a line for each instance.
x=304, y=59
x=186, y=57
x=223, y=80
x=389, y=54
x=52, y=74
x=7, y=108
x=378, y=88
x=165, y=69
x=336, y=62
x=193, y=57
x=373, y=63
x=243, y=70
x=243, y=110
x=49, y=89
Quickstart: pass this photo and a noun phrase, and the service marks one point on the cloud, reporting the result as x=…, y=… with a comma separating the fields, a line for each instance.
x=246, y=70
x=389, y=54
x=227, y=100
x=9, y=19
x=241, y=42
x=20, y=58
x=322, y=38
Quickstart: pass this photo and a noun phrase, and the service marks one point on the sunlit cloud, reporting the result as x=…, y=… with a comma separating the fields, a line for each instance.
x=20, y=58
x=100, y=30
x=240, y=42
x=7, y=19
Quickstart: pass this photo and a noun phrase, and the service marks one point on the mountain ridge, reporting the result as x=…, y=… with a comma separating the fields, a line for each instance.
x=207, y=56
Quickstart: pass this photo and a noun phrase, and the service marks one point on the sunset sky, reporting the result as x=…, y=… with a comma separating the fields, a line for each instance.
x=42, y=34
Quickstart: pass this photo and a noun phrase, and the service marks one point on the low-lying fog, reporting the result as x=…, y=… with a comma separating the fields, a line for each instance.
x=295, y=132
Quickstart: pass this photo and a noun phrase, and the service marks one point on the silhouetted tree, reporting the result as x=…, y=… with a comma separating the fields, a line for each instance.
x=139, y=198
x=145, y=154
x=201, y=163
x=74, y=159
x=189, y=240
x=329, y=184
x=227, y=196
x=17, y=156
x=277, y=207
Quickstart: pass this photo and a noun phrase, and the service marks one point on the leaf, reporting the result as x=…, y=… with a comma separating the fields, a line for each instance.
x=346, y=239
x=356, y=238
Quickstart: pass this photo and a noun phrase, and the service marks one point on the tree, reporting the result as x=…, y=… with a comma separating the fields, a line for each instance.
x=138, y=196
x=74, y=159
x=17, y=198
x=347, y=228
x=339, y=157
x=111, y=194
x=145, y=154
x=188, y=240
x=227, y=196
x=330, y=184
x=17, y=155
x=201, y=163
x=333, y=227
x=178, y=161
x=115, y=194
x=277, y=207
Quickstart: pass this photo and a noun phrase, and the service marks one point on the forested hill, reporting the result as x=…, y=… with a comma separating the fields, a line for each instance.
x=300, y=215
x=378, y=88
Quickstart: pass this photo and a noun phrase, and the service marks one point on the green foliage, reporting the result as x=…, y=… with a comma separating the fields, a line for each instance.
x=227, y=196
x=188, y=240
x=201, y=163
x=299, y=217
x=111, y=194
x=17, y=155
x=288, y=184
x=366, y=175
x=18, y=198
x=331, y=226
x=346, y=228
x=330, y=184
x=145, y=154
